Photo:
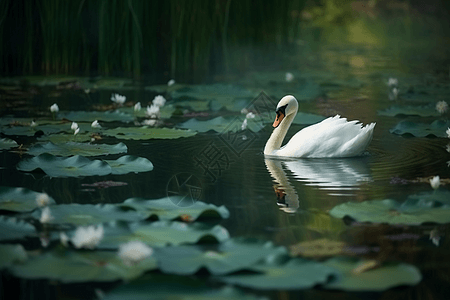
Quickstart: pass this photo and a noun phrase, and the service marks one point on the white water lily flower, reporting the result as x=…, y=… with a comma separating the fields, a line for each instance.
x=74, y=126
x=64, y=239
x=54, y=108
x=46, y=215
x=42, y=200
x=250, y=115
x=134, y=252
x=244, y=111
x=393, y=94
x=137, y=106
x=119, y=99
x=171, y=82
x=448, y=132
x=392, y=82
x=159, y=101
x=76, y=131
x=435, y=182
x=152, y=111
x=87, y=237
x=441, y=107
x=95, y=124
x=244, y=124
x=289, y=77
x=149, y=122
x=33, y=124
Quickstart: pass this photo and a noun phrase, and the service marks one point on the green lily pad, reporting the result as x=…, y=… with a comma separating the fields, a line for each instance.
x=88, y=214
x=161, y=233
x=10, y=254
x=165, y=209
x=163, y=287
x=195, y=105
x=6, y=144
x=19, y=199
x=232, y=255
x=437, y=128
x=221, y=124
x=379, y=279
x=81, y=266
x=165, y=111
x=277, y=274
x=412, y=211
x=74, y=166
x=31, y=131
x=440, y=196
x=422, y=111
x=90, y=116
x=129, y=164
x=63, y=138
x=73, y=148
x=14, y=229
x=146, y=133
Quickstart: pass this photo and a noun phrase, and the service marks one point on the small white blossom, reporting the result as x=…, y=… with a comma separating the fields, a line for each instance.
x=134, y=252
x=95, y=124
x=289, y=77
x=159, y=101
x=435, y=182
x=87, y=91
x=137, y=106
x=244, y=124
x=250, y=115
x=33, y=124
x=64, y=239
x=434, y=237
x=448, y=148
x=392, y=82
x=76, y=131
x=152, y=111
x=441, y=107
x=244, y=111
x=54, y=108
x=149, y=122
x=45, y=241
x=46, y=215
x=87, y=237
x=393, y=94
x=74, y=126
x=42, y=200
x=171, y=82
x=119, y=99
x=448, y=132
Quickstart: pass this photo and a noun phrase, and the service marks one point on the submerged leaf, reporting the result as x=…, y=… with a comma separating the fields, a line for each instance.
x=73, y=148
x=20, y=199
x=146, y=133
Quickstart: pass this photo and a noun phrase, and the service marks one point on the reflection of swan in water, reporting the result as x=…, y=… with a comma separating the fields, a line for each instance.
x=287, y=197
x=328, y=174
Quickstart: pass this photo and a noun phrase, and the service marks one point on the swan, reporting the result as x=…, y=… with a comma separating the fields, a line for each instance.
x=333, y=137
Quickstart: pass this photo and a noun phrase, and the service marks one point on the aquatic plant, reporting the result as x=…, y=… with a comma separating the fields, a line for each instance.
x=134, y=252
x=87, y=237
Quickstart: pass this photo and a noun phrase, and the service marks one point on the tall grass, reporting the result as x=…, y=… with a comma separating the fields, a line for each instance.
x=185, y=39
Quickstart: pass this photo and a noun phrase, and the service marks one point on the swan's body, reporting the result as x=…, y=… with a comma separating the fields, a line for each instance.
x=333, y=137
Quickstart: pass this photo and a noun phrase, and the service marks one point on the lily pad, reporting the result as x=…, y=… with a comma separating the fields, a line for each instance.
x=378, y=279
x=437, y=128
x=63, y=138
x=13, y=229
x=73, y=148
x=6, y=144
x=19, y=199
x=88, y=214
x=279, y=274
x=165, y=111
x=129, y=164
x=412, y=211
x=90, y=116
x=165, y=209
x=232, y=255
x=221, y=124
x=74, y=166
x=81, y=266
x=422, y=111
x=10, y=254
x=31, y=131
x=161, y=233
x=146, y=133
x=162, y=287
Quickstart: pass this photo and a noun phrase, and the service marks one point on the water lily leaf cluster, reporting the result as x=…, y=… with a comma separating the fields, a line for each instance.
x=14, y=229
x=90, y=116
x=422, y=111
x=147, y=133
x=74, y=148
x=77, y=165
x=437, y=128
x=20, y=199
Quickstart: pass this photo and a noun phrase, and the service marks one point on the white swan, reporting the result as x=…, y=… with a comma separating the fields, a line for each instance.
x=333, y=137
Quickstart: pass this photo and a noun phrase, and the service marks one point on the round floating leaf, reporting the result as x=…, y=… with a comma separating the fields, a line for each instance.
x=129, y=164
x=379, y=279
x=81, y=266
x=6, y=144
x=221, y=124
x=90, y=116
x=165, y=112
x=63, y=138
x=165, y=209
x=423, y=111
x=146, y=133
x=19, y=199
x=162, y=287
x=74, y=166
x=232, y=255
x=412, y=211
x=10, y=254
x=437, y=128
x=13, y=229
x=276, y=274
x=87, y=214
x=73, y=148
x=161, y=233
x=31, y=131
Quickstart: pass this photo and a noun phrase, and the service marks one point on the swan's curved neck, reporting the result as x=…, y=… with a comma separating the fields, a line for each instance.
x=278, y=134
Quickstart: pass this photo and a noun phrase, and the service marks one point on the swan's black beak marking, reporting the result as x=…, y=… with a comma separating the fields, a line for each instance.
x=281, y=113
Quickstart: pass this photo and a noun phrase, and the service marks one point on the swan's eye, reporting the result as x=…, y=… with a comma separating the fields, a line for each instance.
x=281, y=109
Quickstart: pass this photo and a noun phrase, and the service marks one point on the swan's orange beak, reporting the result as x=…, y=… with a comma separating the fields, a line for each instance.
x=278, y=119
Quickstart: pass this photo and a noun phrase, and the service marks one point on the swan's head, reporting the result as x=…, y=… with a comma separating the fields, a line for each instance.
x=287, y=105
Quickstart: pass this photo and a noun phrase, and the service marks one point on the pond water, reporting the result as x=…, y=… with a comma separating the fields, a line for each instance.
x=286, y=201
